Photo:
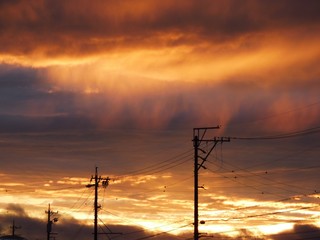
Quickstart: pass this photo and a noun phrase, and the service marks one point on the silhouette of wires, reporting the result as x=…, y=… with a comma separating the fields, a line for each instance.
x=264, y=175
x=281, y=136
x=266, y=117
x=131, y=222
x=163, y=165
x=268, y=213
x=164, y=232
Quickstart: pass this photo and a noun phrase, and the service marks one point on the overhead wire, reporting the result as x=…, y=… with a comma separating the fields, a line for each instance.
x=163, y=165
x=295, y=154
x=237, y=230
x=269, y=213
x=281, y=200
x=139, y=231
x=244, y=184
x=259, y=205
x=107, y=234
x=260, y=176
x=277, y=115
x=294, y=134
x=286, y=135
x=78, y=200
x=164, y=232
x=169, y=166
x=282, y=136
x=296, y=232
x=236, y=175
x=75, y=236
x=254, y=187
x=264, y=214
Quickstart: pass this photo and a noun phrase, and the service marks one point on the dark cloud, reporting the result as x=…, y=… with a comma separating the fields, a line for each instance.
x=300, y=231
x=32, y=103
x=68, y=228
x=28, y=105
x=21, y=123
x=15, y=209
x=81, y=28
x=18, y=86
x=15, y=76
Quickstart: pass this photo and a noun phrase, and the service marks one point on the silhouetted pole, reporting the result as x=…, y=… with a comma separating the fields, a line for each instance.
x=50, y=221
x=197, y=140
x=14, y=227
x=196, y=214
x=49, y=224
x=105, y=182
x=96, y=205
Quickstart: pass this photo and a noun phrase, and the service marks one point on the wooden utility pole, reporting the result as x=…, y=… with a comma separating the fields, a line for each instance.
x=196, y=185
x=105, y=182
x=50, y=221
x=199, y=137
x=14, y=227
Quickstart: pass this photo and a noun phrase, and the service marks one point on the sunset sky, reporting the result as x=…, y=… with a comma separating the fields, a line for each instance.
x=120, y=85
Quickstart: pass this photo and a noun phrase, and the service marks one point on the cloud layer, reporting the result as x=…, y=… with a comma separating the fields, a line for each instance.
x=122, y=85
x=78, y=28
x=69, y=228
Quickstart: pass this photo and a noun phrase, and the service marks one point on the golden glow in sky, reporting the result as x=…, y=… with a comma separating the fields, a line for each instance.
x=120, y=85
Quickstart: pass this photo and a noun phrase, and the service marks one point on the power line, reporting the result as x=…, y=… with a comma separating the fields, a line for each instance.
x=110, y=232
x=143, y=230
x=281, y=136
x=161, y=233
x=166, y=164
x=250, y=186
x=270, y=213
x=91, y=194
x=261, y=205
x=75, y=236
x=80, y=197
x=284, y=158
x=276, y=115
x=265, y=173
x=265, y=214
x=265, y=235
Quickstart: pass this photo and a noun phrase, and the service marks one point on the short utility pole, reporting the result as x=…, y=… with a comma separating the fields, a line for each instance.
x=105, y=182
x=199, y=135
x=51, y=220
x=14, y=227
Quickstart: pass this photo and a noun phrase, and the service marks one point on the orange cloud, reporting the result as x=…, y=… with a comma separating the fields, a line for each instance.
x=47, y=32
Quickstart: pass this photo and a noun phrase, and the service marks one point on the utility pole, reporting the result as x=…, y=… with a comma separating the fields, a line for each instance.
x=14, y=227
x=199, y=137
x=51, y=220
x=105, y=182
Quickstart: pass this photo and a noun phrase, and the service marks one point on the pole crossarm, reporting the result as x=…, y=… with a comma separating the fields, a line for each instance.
x=14, y=227
x=197, y=131
x=199, y=135
x=215, y=141
x=51, y=220
x=105, y=182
